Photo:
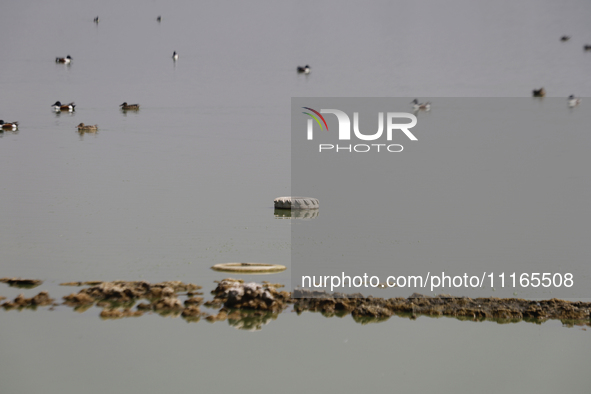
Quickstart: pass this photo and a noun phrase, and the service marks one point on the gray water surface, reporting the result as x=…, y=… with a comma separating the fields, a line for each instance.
x=188, y=182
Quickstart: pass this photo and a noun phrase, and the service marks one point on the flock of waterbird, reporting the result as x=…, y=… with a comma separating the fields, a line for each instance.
x=586, y=47
x=415, y=103
x=572, y=101
x=70, y=107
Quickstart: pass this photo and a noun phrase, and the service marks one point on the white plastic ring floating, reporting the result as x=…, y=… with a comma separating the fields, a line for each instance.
x=249, y=268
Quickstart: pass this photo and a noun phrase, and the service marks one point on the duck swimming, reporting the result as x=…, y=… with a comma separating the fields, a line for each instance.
x=129, y=107
x=83, y=127
x=8, y=126
x=65, y=60
x=304, y=70
x=421, y=106
x=539, y=92
x=573, y=101
x=58, y=106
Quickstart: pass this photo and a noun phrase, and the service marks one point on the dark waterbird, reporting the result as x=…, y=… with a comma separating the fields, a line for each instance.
x=58, y=106
x=9, y=126
x=65, y=60
x=539, y=92
x=304, y=70
x=83, y=127
x=421, y=106
x=573, y=101
x=127, y=107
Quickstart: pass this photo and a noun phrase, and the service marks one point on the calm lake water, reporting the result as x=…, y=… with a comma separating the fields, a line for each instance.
x=189, y=180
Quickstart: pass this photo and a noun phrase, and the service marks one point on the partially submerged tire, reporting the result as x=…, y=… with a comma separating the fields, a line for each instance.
x=289, y=202
x=296, y=213
x=249, y=268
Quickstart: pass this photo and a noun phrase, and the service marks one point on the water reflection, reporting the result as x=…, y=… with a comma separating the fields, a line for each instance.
x=7, y=132
x=82, y=132
x=296, y=213
x=253, y=320
x=133, y=111
x=250, y=320
x=125, y=111
x=363, y=320
x=64, y=113
x=169, y=304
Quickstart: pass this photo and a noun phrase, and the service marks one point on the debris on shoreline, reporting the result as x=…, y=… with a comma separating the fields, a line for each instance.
x=502, y=310
x=249, y=306
x=118, y=297
x=22, y=283
x=20, y=302
x=236, y=294
x=89, y=283
x=125, y=291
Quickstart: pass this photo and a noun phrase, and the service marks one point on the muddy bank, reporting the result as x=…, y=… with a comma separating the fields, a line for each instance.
x=249, y=306
x=235, y=294
x=22, y=283
x=20, y=302
x=118, y=298
x=501, y=310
